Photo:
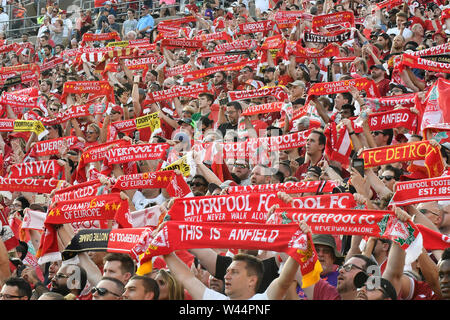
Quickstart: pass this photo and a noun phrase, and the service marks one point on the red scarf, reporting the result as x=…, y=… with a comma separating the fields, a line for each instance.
x=326, y=88
x=329, y=37
x=87, y=37
x=18, y=102
x=78, y=191
x=391, y=119
x=250, y=44
x=388, y=103
x=174, y=183
x=388, y=4
x=51, y=147
x=331, y=50
x=345, y=18
x=421, y=150
x=182, y=43
x=292, y=15
x=421, y=63
x=178, y=91
x=277, y=92
x=103, y=207
x=433, y=240
x=96, y=88
x=30, y=185
x=424, y=190
x=324, y=186
x=45, y=168
x=253, y=27
x=280, y=238
x=132, y=153
x=222, y=35
x=263, y=108
x=93, y=154
x=52, y=63
x=197, y=74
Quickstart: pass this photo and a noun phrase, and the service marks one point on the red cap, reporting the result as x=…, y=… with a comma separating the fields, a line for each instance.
x=117, y=108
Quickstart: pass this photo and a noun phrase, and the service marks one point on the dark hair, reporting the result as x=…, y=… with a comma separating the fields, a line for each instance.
x=397, y=172
x=149, y=284
x=348, y=96
x=199, y=176
x=25, y=203
x=446, y=254
x=208, y=95
x=119, y=284
x=322, y=137
x=254, y=266
x=127, y=264
x=390, y=133
x=279, y=131
x=368, y=261
x=349, y=107
x=24, y=288
x=236, y=105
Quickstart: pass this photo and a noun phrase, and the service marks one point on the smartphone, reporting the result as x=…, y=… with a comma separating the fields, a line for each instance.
x=358, y=164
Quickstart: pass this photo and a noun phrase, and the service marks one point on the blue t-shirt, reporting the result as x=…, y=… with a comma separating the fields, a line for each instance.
x=145, y=21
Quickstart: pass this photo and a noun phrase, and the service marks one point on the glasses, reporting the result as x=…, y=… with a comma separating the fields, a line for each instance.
x=102, y=291
x=54, y=109
x=425, y=211
x=61, y=276
x=6, y=296
x=387, y=178
x=238, y=165
x=350, y=266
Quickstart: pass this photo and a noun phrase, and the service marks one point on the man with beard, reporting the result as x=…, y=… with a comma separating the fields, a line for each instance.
x=199, y=185
x=229, y=119
x=378, y=74
x=242, y=170
x=70, y=279
x=315, y=148
x=219, y=83
x=269, y=77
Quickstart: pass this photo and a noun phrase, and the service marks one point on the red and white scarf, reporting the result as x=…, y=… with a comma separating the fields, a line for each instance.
x=324, y=186
x=277, y=92
x=30, y=185
x=44, y=168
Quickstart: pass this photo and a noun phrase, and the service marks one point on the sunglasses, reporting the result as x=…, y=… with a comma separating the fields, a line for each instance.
x=102, y=291
x=238, y=165
x=425, y=211
x=198, y=184
x=54, y=109
x=387, y=178
x=350, y=266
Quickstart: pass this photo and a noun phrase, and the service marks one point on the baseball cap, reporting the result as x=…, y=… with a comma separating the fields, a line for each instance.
x=144, y=7
x=187, y=121
x=393, y=85
x=297, y=83
x=269, y=69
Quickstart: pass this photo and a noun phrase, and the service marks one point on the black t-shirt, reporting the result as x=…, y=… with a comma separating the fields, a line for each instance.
x=227, y=126
x=270, y=270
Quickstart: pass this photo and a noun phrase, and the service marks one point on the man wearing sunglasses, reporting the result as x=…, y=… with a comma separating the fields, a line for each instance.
x=432, y=211
x=108, y=289
x=389, y=176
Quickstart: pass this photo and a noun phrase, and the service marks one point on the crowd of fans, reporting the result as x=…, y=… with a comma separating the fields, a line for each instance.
x=207, y=84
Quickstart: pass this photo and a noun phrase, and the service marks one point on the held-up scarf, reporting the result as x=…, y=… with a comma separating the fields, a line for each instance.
x=197, y=74
x=30, y=185
x=253, y=27
x=19, y=101
x=326, y=88
x=51, y=147
x=95, y=153
x=440, y=49
x=182, y=43
x=375, y=223
x=177, y=21
x=97, y=88
x=45, y=168
x=331, y=50
x=438, y=131
x=421, y=150
x=179, y=91
x=103, y=207
x=99, y=37
x=52, y=63
x=132, y=153
x=292, y=15
x=424, y=190
x=75, y=111
x=433, y=240
x=78, y=191
x=280, y=238
x=391, y=119
x=33, y=67
x=222, y=35
x=388, y=103
x=173, y=71
x=174, y=183
x=250, y=44
x=388, y=4
x=422, y=63
x=277, y=92
x=8, y=125
x=330, y=37
x=345, y=18
x=324, y=186
x=263, y=108
x=116, y=240
x=250, y=207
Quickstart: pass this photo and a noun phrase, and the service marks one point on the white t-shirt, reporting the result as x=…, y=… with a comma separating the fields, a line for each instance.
x=406, y=32
x=140, y=201
x=210, y=294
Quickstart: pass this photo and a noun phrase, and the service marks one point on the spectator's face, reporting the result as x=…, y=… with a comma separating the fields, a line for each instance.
x=216, y=284
x=237, y=279
x=431, y=211
x=345, y=278
x=382, y=41
x=269, y=76
x=369, y=294
x=11, y=293
x=113, y=269
x=388, y=178
x=134, y=290
x=241, y=170
x=400, y=21
x=246, y=75
x=218, y=78
x=199, y=187
x=444, y=278
x=312, y=144
x=257, y=176
x=398, y=42
x=380, y=138
x=91, y=134
x=326, y=257
x=232, y=114
x=59, y=281
x=163, y=287
x=107, y=290
x=44, y=86
x=130, y=15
